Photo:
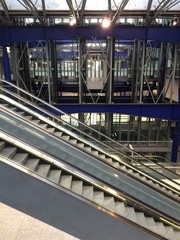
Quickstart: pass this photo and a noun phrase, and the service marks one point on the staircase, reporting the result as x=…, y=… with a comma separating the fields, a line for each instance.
x=83, y=187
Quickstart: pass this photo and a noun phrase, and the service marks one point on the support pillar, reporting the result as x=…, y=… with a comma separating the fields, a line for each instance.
x=81, y=67
x=110, y=82
x=6, y=64
x=175, y=145
x=53, y=57
x=23, y=66
x=82, y=73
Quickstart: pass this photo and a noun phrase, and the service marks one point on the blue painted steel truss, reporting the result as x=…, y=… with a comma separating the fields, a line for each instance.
x=15, y=34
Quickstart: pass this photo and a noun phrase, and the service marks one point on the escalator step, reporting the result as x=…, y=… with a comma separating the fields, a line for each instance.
x=81, y=145
x=2, y=145
x=58, y=134
x=150, y=221
x=29, y=117
x=88, y=192
x=109, y=203
x=88, y=149
x=65, y=181
x=99, y=197
x=20, y=157
x=21, y=113
x=170, y=233
x=51, y=129
x=141, y=219
x=77, y=187
x=102, y=156
x=95, y=152
x=36, y=121
x=44, y=125
x=66, y=137
x=8, y=152
x=131, y=214
x=54, y=175
x=120, y=208
x=73, y=141
x=43, y=169
x=32, y=163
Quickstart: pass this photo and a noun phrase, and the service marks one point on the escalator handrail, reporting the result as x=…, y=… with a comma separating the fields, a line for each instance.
x=155, y=213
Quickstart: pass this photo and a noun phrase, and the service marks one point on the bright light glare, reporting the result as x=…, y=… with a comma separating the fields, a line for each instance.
x=106, y=23
x=72, y=21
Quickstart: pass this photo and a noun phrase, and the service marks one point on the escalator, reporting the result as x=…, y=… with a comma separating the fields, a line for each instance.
x=94, y=158
x=100, y=150
x=70, y=199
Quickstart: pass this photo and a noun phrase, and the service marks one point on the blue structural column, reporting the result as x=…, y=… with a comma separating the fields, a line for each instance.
x=6, y=65
x=175, y=145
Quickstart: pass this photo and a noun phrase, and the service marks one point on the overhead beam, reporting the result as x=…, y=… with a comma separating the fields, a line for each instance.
x=31, y=7
x=162, y=7
x=5, y=9
x=15, y=34
x=148, y=9
x=119, y=11
x=162, y=111
x=44, y=10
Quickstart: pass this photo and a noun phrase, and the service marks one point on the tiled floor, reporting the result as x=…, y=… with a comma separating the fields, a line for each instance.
x=15, y=225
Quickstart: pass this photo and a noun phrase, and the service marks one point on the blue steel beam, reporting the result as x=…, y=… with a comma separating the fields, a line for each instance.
x=15, y=34
x=162, y=111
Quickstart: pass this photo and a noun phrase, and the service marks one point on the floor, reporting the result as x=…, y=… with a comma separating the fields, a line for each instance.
x=15, y=225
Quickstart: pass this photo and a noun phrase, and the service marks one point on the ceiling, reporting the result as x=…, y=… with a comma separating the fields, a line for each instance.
x=81, y=9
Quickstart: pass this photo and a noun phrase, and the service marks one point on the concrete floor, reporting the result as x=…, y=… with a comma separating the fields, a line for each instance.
x=15, y=225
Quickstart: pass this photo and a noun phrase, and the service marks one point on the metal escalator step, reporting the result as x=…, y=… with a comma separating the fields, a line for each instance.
x=54, y=175
x=170, y=234
x=77, y=187
x=88, y=192
x=116, y=164
x=58, y=134
x=81, y=145
x=8, y=152
x=44, y=125
x=36, y=121
x=150, y=221
x=13, y=109
x=109, y=160
x=130, y=171
x=65, y=181
x=109, y=203
x=73, y=141
x=2, y=145
x=66, y=137
x=43, y=169
x=95, y=152
x=32, y=163
x=101, y=156
x=177, y=234
x=137, y=174
x=123, y=167
x=99, y=197
x=158, y=228
x=131, y=214
x=20, y=157
x=51, y=129
x=87, y=149
x=29, y=117
x=141, y=219
x=120, y=208
x=21, y=113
